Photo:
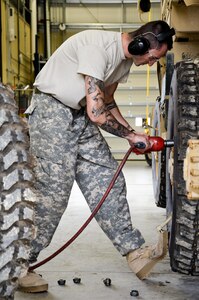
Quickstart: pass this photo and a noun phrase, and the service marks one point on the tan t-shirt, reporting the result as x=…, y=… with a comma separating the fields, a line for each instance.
x=95, y=53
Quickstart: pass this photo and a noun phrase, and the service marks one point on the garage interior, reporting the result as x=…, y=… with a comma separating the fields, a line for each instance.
x=30, y=32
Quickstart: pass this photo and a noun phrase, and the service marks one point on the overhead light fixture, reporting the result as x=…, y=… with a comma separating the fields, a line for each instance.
x=145, y=5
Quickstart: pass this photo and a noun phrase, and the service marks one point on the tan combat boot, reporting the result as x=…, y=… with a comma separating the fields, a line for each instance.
x=141, y=261
x=32, y=283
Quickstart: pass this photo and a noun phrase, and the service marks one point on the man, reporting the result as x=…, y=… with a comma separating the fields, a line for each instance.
x=74, y=95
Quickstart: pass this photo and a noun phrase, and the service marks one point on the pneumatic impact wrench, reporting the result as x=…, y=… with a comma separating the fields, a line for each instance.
x=157, y=144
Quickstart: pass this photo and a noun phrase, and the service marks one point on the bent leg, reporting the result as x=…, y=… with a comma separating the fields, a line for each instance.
x=95, y=169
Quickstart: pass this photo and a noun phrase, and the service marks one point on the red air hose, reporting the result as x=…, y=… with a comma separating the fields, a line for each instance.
x=91, y=216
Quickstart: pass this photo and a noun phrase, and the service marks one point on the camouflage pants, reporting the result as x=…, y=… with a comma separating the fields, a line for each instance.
x=68, y=147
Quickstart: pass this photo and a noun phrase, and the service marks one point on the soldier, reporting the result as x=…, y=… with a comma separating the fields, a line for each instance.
x=73, y=98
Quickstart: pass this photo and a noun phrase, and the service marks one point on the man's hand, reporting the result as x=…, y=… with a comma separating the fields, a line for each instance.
x=137, y=137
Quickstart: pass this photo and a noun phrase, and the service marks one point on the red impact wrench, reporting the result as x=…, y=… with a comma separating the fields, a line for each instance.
x=157, y=144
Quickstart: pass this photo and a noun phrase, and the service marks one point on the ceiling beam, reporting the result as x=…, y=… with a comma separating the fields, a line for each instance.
x=98, y=2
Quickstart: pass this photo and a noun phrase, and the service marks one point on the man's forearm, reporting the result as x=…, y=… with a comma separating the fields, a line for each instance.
x=113, y=108
x=114, y=127
x=111, y=105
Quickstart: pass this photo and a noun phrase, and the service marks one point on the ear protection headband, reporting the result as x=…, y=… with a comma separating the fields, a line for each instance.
x=140, y=45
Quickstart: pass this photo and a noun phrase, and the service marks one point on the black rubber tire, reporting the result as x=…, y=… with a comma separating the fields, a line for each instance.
x=184, y=236
x=158, y=163
x=17, y=196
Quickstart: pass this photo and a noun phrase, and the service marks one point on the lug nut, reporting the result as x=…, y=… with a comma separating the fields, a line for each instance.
x=134, y=293
x=77, y=280
x=107, y=282
x=61, y=282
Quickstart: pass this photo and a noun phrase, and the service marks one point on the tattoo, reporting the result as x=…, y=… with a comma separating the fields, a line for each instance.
x=93, y=82
x=121, y=131
x=114, y=127
x=95, y=98
x=111, y=105
x=95, y=90
x=98, y=110
x=130, y=128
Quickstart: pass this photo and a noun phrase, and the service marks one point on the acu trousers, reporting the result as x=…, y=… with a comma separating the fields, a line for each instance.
x=68, y=147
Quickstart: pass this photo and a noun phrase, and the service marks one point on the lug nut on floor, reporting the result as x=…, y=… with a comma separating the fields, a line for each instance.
x=134, y=293
x=77, y=280
x=61, y=282
x=107, y=282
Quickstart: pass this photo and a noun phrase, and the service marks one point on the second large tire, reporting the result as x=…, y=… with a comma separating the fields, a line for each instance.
x=17, y=196
x=184, y=235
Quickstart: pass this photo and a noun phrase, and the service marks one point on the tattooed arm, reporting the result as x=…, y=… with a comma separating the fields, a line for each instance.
x=100, y=109
x=113, y=108
x=103, y=111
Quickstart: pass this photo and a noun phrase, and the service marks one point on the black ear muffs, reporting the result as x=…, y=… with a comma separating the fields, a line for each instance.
x=163, y=36
x=139, y=46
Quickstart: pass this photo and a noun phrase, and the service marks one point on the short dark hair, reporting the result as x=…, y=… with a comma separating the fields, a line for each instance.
x=155, y=27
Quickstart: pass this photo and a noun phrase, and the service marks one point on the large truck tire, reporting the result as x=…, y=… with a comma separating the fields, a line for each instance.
x=184, y=235
x=17, y=196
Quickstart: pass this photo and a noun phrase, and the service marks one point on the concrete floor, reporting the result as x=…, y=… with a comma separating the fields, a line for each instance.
x=93, y=257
